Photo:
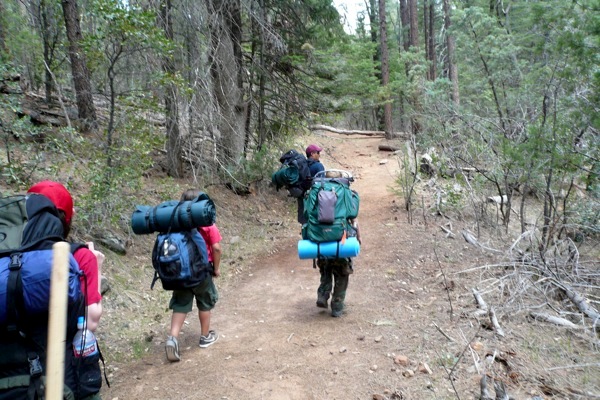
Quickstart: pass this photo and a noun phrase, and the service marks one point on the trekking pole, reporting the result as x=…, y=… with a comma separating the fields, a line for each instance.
x=57, y=324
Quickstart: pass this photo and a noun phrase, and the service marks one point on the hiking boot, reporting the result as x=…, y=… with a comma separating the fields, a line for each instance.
x=209, y=339
x=172, y=349
x=336, y=313
x=322, y=302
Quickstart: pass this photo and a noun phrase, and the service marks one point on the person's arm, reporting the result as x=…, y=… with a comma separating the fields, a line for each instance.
x=89, y=261
x=216, y=253
x=94, y=312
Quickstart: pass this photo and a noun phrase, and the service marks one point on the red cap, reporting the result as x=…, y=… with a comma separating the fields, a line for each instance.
x=58, y=194
x=312, y=148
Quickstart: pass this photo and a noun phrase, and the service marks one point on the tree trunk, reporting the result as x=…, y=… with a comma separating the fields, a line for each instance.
x=174, y=149
x=373, y=22
x=405, y=20
x=452, y=71
x=414, y=23
x=414, y=43
x=404, y=45
x=3, y=48
x=385, y=71
x=226, y=72
x=79, y=69
x=426, y=33
x=431, y=41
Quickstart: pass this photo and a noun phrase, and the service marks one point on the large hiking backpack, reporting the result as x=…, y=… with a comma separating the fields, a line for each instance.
x=329, y=206
x=29, y=226
x=180, y=260
x=294, y=173
x=179, y=255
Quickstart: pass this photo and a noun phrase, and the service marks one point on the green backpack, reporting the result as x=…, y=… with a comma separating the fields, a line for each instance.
x=328, y=207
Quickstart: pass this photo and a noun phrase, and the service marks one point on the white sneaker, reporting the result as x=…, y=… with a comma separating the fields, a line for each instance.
x=172, y=349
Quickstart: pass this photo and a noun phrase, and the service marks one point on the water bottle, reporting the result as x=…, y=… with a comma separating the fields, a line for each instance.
x=169, y=248
x=84, y=342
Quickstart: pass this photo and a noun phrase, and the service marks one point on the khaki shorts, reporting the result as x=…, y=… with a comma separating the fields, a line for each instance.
x=205, y=293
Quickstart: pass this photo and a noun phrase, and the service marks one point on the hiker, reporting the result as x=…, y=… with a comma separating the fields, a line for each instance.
x=313, y=155
x=205, y=293
x=335, y=272
x=89, y=259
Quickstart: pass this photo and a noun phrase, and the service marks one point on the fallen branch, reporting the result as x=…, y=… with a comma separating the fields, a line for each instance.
x=443, y=333
x=484, y=393
x=495, y=324
x=481, y=304
x=387, y=147
x=346, y=131
x=449, y=233
x=573, y=366
x=469, y=238
x=554, y=320
x=588, y=395
x=581, y=303
x=500, y=389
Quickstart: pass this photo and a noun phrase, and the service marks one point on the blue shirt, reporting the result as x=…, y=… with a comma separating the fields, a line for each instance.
x=315, y=166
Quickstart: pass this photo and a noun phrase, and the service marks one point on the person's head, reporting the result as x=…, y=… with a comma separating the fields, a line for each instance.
x=190, y=194
x=313, y=151
x=60, y=197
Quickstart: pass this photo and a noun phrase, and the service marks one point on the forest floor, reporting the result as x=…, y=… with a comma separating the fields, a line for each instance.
x=408, y=331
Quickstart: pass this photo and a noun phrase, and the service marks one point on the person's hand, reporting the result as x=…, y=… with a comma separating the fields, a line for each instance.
x=99, y=255
x=216, y=272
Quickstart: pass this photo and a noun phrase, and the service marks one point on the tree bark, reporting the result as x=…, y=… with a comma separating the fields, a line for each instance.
x=3, y=48
x=431, y=41
x=414, y=43
x=174, y=148
x=450, y=45
x=79, y=69
x=385, y=72
x=374, y=22
x=226, y=72
x=414, y=23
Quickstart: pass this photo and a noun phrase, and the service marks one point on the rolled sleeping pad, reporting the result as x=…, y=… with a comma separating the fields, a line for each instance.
x=188, y=215
x=308, y=249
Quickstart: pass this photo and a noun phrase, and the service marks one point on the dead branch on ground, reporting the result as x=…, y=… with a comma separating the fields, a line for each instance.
x=319, y=127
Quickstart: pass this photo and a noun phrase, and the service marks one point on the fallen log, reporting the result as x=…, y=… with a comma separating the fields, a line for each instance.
x=388, y=147
x=553, y=320
x=346, y=131
x=38, y=118
x=495, y=323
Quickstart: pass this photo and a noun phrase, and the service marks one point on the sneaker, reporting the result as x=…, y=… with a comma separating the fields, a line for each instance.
x=322, y=302
x=336, y=313
x=172, y=349
x=209, y=339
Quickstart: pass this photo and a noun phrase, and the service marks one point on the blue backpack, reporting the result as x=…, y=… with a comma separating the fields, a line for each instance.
x=180, y=260
x=29, y=227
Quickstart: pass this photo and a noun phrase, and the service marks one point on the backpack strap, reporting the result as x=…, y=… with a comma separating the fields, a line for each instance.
x=14, y=293
x=154, y=279
x=15, y=307
x=35, y=390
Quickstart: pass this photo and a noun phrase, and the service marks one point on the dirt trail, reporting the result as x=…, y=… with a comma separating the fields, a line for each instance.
x=276, y=344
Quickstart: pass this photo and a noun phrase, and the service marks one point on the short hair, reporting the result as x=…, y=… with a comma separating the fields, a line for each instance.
x=190, y=194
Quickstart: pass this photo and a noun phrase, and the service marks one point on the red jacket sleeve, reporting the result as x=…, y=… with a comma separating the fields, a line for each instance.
x=89, y=266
